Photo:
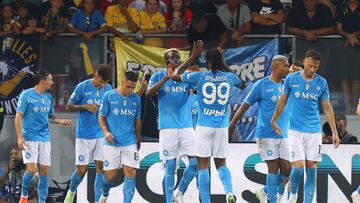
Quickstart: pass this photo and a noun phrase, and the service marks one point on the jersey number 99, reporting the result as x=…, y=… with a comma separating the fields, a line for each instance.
x=210, y=96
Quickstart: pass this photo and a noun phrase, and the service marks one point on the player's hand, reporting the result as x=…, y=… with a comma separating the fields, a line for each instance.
x=275, y=127
x=21, y=144
x=109, y=138
x=197, y=48
x=93, y=108
x=310, y=36
x=352, y=40
x=65, y=122
x=335, y=139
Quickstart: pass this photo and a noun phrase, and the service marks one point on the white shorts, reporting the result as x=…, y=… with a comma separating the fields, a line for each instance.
x=88, y=150
x=37, y=152
x=271, y=148
x=211, y=142
x=304, y=146
x=115, y=157
x=176, y=142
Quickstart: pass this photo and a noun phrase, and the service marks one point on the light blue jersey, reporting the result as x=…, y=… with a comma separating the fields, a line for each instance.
x=194, y=108
x=120, y=113
x=303, y=99
x=36, y=109
x=173, y=105
x=266, y=93
x=87, y=123
x=213, y=90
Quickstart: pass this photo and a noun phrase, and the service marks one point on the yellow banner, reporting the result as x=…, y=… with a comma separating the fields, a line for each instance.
x=140, y=58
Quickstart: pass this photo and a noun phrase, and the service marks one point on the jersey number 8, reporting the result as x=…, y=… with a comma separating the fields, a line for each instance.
x=210, y=96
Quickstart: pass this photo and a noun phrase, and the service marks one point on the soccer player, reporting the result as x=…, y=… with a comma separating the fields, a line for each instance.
x=356, y=194
x=34, y=111
x=273, y=148
x=305, y=90
x=86, y=100
x=175, y=124
x=119, y=119
x=213, y=89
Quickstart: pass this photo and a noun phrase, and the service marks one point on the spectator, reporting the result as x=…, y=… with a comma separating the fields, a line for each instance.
x=178, y=18
x=348, y=25
x=87, y=22
x=236, y=17
x=8, y=25
x=27, y=21
x=56, y=19
x=122, y=18
x=344, y=135
x=311, y=21
x=296, y=66
x=201, y=7
x=210, y=29
x=10, y=182
x=327, y=133
x=266, y=16
x=68, y=6
x=140, y=6
x=151, y=20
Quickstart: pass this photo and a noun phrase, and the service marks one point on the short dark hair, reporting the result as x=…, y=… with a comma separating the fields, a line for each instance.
x=298, y=63
x=158, y=2
x=41, y=75
x=104, y=71
x=131, y=75
x=196, y=18
x=340, y=116
x=314, y=54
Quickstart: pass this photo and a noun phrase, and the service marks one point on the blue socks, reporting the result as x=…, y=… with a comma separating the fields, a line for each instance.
x=75, y=181
x=128, y=189
x=271, y=184
x=225, y=178
x=281, y=184
x=204, y=185
x=98, y=186
x=189, y=174
x=43, y=189
x=169, y=179
x=310, y=184
x=295, y=178
x=26, y=181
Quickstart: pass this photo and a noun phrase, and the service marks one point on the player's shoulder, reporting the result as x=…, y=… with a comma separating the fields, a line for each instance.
x=159, y=73
x=135, y=96
x=83, y=83
x=108, y=87
x=110, y=92
x=320, y=78
x=28, y=91
x=48, y=95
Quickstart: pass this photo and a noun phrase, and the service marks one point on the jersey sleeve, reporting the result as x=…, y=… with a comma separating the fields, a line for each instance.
x=325, y=94
x=22, y=103
x=52, y=110
x=287, y=85
x=154, y=79
x=138, y=108
x=255, y=94
x=236, y=80
x=75, y=97
x=104, y=106
x=191, y=78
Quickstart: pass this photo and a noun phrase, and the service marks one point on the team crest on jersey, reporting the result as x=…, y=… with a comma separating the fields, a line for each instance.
x=125, y=102
x=36, y=109
x=274, y=98
x=167, y=89
x=318, y=88
x=307, y=86
x=97, y=93
x=281, y=89
x=116, y=111
x=43, y=100
x=297, y=94
x=90, y=101
x=134, y=103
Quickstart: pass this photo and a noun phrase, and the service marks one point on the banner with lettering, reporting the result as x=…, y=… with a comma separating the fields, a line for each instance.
x=18, y=60
x=249, y=62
